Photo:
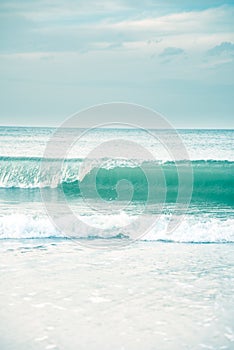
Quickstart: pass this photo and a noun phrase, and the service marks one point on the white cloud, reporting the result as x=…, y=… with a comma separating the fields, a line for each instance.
x=195, y=31
x=137, y=39
x=195, y=21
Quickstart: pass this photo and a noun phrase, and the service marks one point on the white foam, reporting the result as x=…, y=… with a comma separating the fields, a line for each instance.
x=197, y=229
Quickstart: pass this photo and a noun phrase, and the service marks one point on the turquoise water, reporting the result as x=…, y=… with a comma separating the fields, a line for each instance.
x=162, y=291
x=209, y=217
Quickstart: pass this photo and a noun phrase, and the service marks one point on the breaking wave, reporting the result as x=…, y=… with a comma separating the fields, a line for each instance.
x=213, y=180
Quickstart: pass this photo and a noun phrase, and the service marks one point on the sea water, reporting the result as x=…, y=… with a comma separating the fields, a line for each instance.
x=110, y=291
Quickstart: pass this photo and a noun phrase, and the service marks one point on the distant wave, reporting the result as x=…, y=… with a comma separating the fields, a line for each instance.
x=193, y=229
x=213, y=180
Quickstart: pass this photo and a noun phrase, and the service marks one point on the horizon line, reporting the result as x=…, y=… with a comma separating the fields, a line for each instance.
x=150, y=128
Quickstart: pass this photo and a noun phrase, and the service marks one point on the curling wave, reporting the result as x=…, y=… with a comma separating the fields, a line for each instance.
x=213, y=180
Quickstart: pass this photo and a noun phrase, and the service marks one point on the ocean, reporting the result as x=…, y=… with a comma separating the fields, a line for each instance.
x=115, y=277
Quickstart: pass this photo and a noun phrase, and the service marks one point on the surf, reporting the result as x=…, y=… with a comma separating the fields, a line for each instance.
x=213, y=181
x=193, y=229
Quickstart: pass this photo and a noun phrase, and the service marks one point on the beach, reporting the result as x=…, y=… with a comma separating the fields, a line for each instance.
x=115, y=290
x=150, y=295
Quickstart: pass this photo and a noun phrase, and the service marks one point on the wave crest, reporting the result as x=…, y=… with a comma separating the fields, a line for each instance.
x=213, y=180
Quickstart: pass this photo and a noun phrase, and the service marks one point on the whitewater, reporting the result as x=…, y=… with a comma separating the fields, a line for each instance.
x=117, y=279
x=209, y=217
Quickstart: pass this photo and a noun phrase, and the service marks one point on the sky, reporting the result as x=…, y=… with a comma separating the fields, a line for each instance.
x=58, y=57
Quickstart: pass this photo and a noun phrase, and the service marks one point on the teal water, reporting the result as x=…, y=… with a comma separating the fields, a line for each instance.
x=123, y=184
x=213, y=180
x=166, y=292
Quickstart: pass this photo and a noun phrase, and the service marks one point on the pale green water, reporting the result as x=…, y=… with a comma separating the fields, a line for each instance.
x=55, y=293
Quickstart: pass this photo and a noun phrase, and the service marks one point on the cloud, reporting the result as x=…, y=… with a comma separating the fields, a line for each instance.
x=209, y=20
x=60, y=9
x=171, y=51
x=96, y=25
x=56, y=57
x=225, y=48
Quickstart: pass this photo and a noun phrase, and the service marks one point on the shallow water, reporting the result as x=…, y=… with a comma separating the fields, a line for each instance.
x=163, y=291
x=56, y=294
